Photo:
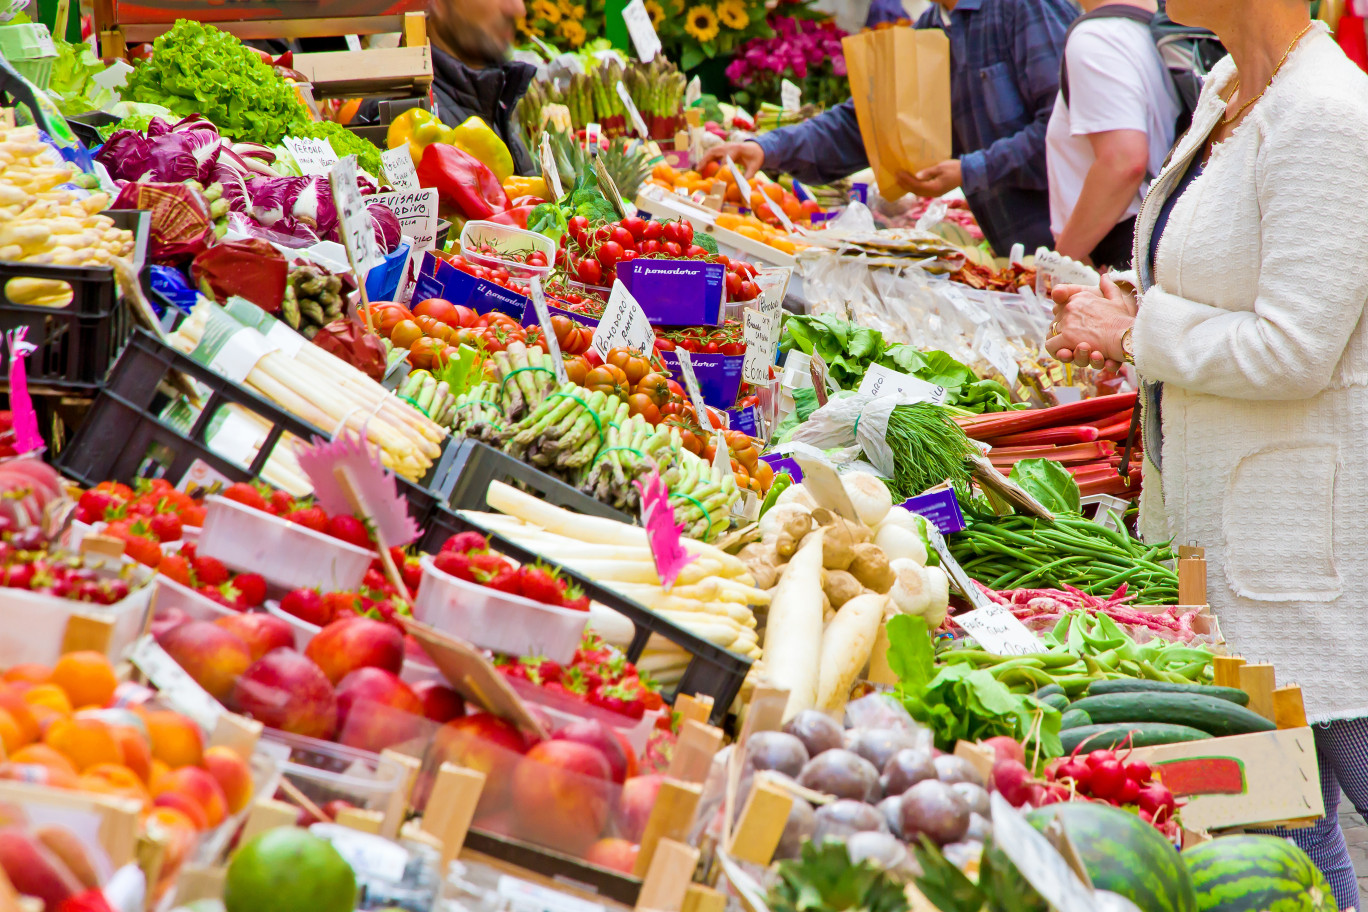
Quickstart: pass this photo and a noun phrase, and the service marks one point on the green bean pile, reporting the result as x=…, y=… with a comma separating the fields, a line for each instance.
x=1020, y=552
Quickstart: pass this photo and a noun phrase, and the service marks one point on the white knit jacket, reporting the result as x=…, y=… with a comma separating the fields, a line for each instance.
x=1254, y=325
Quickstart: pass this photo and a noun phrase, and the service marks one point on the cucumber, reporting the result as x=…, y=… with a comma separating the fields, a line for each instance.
x=1074, y=718
x=1233, y=694
x=1047, y=690
x=1213, y=716
x=1058, y=701
x=1112, y=736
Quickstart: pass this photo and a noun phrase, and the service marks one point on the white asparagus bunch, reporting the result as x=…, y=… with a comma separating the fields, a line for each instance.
x=329, y=393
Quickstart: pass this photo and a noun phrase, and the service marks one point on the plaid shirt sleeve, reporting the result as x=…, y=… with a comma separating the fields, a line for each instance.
x=1019, y=160
x=825, y=148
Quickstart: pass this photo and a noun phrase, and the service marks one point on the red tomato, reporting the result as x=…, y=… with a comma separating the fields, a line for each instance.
x=733, y=348
x=695, y=252
x=673, y=249
x=623, y=237
x=642, y=404
x=749, y=290
x=734, y=282
x=589, y=271
x=654, y=231
x=438, y=309
x=636, y=225
x=672, y=232
x=649, y=247
x=465, y=316
x=686, y=233
x=609, y=253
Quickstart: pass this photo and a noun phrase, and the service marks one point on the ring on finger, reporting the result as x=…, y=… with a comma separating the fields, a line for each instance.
x=1054, y=328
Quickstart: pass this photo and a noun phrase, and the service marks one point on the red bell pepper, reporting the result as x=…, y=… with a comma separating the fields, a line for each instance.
x=517, y=216
x=463, y=182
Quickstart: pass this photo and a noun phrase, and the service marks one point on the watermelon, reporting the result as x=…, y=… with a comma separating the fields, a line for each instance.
x=1124, y=854
x=1256, y=874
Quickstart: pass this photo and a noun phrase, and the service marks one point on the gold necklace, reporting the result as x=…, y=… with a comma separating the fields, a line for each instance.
x=1230, y=119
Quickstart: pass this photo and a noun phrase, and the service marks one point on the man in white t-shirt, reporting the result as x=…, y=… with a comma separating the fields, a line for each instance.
x=1109, y=135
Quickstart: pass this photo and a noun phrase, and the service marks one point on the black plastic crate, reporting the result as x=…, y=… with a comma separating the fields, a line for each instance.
x=123, y=438
x=714, y=671
x=470, y=466
x=79, y=341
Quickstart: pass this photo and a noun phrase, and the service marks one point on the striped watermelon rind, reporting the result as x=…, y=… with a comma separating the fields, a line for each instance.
x=1256, y=874
x=1124, y=855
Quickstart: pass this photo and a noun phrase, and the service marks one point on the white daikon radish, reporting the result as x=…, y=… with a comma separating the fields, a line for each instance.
x=898, y=543
x=846, y=647
x=911, y=593
x=795, y=494
x=938, y=587
x=868, y=495
x=793, y=633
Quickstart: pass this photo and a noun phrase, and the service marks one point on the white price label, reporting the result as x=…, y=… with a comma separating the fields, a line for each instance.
x=416, y=211
x=314, y=156
x=880, y=381
x=353, y=42
x=760, y=338
x=741, y=183
x=239, y=353
x=235, y=438
x=632, y=113
x=695, y=391
x=998, y=353
x=623, y=325
x=1065, y=270
x=773, y=283
x=642, y=30
x=175, y=684
x=998, y=631
x=113, y=77
x=550, y=172
x=552, y=344
x=721, y=452
x=399, y=170
x=358, y=234
x=527, y=897
x=790, y=96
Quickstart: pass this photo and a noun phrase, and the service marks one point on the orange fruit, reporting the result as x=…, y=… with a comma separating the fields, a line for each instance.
x=176, y=741
x=137, y=750
x=12, y=701
x=87, y=677
x=31, y=672
x=50, y=696
x=11, y=736
x=154, y=775
x=114, y=779
x=42, y=755
x=85, y=742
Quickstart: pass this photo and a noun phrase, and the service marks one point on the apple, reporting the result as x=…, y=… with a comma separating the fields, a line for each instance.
x=635, y=804
x=603, y=739
x=614, y=854
x=562, y=792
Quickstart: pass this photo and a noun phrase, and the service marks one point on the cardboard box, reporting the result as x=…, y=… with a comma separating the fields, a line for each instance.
x=1244, y=780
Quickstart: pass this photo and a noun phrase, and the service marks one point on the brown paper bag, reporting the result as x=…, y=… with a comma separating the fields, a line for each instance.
x=900, y=82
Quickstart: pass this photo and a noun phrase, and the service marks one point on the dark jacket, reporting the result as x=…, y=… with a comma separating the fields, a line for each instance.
x=492, y=93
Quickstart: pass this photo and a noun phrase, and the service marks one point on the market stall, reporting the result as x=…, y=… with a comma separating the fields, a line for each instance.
x=386, y=529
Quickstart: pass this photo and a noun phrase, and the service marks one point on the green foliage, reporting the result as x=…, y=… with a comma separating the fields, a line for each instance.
x=958, y=701
x=1050, y=483
x=826, y=880
x=344, y=142
x=197, y=69
x=72, y=87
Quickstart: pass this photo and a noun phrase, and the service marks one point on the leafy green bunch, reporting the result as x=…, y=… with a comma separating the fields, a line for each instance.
x=198, y=69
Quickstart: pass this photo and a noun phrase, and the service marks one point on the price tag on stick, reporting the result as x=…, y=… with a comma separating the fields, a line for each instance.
x=642, y=30
x=314, y=156
x=417, y=214
x=695, y=392
x=742, y=184
x=399, y=170
x=549, y=169
x=354, y=222
x=790, y=96
x=632, y=113
x=760, y=338
x=548, y=331
x=623, y=324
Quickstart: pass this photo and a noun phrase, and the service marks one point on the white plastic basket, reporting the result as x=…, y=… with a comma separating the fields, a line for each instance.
x=496, y=620
x=303, y=630
x=33, y=624
x=287, y=554
x=506, y=239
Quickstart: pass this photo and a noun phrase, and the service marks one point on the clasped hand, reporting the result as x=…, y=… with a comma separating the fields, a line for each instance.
x=1089, y=324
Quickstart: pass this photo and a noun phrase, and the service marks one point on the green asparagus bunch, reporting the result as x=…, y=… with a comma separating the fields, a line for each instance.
x=313, y=298
x=526, y=377
x=218, y=206
x=428, y=395
x=631, y=449
x=477, y=414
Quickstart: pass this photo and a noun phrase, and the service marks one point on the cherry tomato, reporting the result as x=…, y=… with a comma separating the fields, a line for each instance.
x=649, y=247
x=672, y=232
x=536, y=258
x=653, y=231
x=734, y=283
x=695, y=252
x=589, y=271
x=636, y=225
x=712, y=348
x=725, y=261
x=673, y=249
x=749, y=290
x=686, y=233
x=609, y=253
x=622, y=237
x=662, y=344
x=733, y=348
x=629, y=254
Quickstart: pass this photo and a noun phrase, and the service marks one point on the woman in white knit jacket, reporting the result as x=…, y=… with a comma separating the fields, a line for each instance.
x=1248, y=330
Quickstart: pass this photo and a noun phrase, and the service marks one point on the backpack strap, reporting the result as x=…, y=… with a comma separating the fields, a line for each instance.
x=1110, y=11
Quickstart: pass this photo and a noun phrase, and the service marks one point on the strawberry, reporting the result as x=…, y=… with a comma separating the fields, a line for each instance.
x=282, y=504
x=412, y=572
x=187, y=550
x=456, y=564
x=119, y=492
x=541, y=670
x=307, y=605
x=493, y=570
x=93, y=505
x=572, y=596
x=310, y=518
x=139, y=544
x=215, y=595
x=147, y=505
x=210, y=571
x=574, y=681
x=166, y=526
x=177, y=567
x=619, y=699
x=465, y=542
x=349, y=529
x=539, y=583
x=193, y=515
x=340, y=605
x=247, y=495
x=253, y=588
x=374, y=579
x=18, y=576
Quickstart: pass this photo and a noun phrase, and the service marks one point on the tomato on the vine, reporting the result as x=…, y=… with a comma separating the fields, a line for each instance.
x=695, y=252
x=673, y=249
x=642, y=404
x=589, y=271
x=733, y=348
x=653, y=231
x=649, y=247
x=609, y=252
x=636, y=225
x=656, y=386
x=663, y=344
x=733, y=286
x=749, y=290
x=607, y=379
x=622, y=237
x=633, y=364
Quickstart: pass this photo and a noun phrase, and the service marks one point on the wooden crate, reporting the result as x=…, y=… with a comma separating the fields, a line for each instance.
x=343, y=74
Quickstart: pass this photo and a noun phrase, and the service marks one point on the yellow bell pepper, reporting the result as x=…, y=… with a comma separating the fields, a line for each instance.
x=419, y=128
x=517, y=186
x=477, y=138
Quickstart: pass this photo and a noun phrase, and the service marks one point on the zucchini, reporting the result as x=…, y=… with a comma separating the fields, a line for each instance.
x=1047, y=690
x=1233, y=694
x=1058, y=701
x=1213, y=716
x=1109, y=737
x=1074, y=718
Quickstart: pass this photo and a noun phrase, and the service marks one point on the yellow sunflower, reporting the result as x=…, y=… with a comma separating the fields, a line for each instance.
x=577, y=12
x=701, y=23
x=733, y=14
x=546, y=10
x=572, y=32
x=657, y=13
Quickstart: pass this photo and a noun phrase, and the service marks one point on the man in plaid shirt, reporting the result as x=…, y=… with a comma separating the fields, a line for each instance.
x=1004, y=77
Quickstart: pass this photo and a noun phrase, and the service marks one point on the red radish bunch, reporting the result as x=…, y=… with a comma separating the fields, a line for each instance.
x=467, y=556
x=1103, y=775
